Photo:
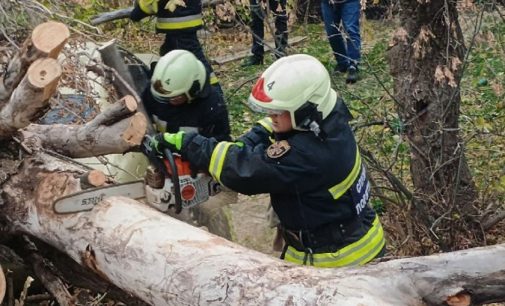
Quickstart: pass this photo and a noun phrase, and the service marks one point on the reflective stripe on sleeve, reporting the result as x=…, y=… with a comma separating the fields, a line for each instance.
x=177, y=23
x=338, y=190
x=213, y=79
x=149, y=7
x=266, y=123
x=217, y=159
x=357, y=253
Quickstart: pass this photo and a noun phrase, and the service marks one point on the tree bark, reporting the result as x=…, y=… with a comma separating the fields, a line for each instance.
x=426, y=60
x=164, y=261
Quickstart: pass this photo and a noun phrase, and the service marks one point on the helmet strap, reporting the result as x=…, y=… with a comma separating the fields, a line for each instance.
x=307, y=117
x=195, y=89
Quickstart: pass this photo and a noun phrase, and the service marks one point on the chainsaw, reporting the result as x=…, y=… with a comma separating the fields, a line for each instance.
x=169, y=183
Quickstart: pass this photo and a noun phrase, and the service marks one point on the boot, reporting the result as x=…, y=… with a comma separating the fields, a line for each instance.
x=352, y=75
x=338, y=70
x=252, y=61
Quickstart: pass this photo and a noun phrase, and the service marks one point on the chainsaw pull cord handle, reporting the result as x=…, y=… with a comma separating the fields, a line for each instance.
x=175, y=180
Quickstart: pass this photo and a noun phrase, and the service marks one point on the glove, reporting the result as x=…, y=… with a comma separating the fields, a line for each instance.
x=171, y=141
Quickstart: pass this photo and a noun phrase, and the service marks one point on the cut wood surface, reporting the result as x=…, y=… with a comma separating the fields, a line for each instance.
x=47, y=40
x=30, y=97
x=165, y=261
x=93, y=178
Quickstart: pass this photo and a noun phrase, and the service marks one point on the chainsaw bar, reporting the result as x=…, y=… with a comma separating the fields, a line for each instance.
x=87, y=199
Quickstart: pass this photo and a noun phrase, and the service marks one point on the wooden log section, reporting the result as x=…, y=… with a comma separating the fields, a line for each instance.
x=93, y=178
x=47, y=40
x=30, y=97
x=118, y=129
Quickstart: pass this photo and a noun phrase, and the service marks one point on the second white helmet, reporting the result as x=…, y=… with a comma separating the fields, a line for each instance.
x=178, y=72
x=299, y=84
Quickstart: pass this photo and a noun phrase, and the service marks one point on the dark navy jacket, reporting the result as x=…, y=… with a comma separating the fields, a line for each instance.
x=207, y=114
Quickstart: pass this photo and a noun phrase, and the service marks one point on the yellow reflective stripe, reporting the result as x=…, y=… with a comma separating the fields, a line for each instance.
x=357, y=253
x=179, y=22
x=149, y=6
x=161, y=125
x=338, y=190
x=266, y=123
x=213, y=79
x=217, y=159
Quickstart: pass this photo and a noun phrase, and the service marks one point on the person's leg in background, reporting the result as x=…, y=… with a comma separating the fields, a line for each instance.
x=189, y=41
x=168, y=44
x=278, y=9
x=258, y=33
x=351, y=11
x=332, y=16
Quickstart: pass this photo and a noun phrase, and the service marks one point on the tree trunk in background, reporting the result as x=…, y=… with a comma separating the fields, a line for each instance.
x=426, y=60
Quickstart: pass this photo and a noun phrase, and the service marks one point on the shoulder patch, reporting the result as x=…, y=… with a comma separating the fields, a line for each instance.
x=278, y=149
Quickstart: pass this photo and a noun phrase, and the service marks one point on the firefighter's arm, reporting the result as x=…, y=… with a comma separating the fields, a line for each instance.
x=143, y=8
x=259, y=133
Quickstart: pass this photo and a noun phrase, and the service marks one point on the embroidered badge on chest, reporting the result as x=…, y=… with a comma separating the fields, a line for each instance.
x=278, y=149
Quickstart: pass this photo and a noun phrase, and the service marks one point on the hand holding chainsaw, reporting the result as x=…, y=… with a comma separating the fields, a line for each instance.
x=171, y=141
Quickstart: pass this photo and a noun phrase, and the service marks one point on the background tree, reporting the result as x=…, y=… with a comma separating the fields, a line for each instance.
x=427, y=60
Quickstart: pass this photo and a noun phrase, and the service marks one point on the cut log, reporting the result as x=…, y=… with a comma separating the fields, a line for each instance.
x=47, y=40
x=167, y=262
x=30, y=97
x=90, y=139
x=93, y=178
x=124, y=82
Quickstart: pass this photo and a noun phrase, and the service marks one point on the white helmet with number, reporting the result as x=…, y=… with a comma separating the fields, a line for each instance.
x=178, y=72
x=299, y=84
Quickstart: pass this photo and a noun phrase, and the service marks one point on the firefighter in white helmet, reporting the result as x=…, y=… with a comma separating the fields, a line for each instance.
x=305, y=156
x=180, y=98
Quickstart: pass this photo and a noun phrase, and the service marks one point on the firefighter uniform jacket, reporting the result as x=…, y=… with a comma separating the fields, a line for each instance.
x=206, y=114
x=318, y=188
x=170, y=19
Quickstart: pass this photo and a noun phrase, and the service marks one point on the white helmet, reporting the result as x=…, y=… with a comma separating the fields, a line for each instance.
x=299, y=84
x=178, y=72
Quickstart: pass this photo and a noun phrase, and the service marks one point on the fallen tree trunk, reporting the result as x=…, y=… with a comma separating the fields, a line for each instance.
x=164, y=261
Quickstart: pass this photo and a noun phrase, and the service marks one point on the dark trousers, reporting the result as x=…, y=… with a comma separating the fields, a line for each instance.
x=257, y=26
x=189, y=41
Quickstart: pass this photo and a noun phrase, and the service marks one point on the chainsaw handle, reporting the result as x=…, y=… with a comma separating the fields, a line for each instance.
x=175, y=180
